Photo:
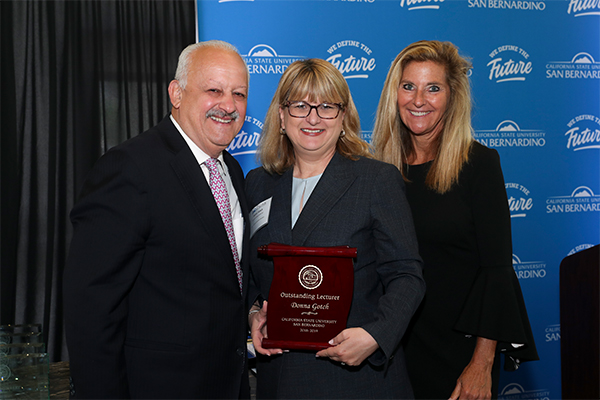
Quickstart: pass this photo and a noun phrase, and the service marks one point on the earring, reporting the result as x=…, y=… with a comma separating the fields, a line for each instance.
x=281, y=131
x=342, y=133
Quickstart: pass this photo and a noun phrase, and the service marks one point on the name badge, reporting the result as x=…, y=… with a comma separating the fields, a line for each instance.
x=259, y=216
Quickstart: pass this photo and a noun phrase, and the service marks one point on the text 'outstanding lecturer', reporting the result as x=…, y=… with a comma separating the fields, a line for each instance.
x=155, y=280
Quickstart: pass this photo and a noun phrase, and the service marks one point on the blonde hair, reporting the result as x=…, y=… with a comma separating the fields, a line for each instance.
x=392, y=139
x=317, y=80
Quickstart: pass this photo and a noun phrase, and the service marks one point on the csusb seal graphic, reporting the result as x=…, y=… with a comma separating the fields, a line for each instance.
x=508, y=4
x=581, y=66
x=246, y=142
x=582, y=133
x=508, y=134
x=581, y=8
x=263, y=59
x=581, y=200
x=509, y=70
x=516, y=391
x=519, y=203
x=421, y=4
x=528, y=269
x=577, y=249
x=310, y=277
x=351, y=65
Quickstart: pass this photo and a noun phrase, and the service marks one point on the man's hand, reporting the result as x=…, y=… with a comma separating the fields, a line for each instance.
x=258, y=329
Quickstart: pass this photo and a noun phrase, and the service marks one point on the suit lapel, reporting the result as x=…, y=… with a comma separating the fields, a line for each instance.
x=192, y=179
x=336, y=180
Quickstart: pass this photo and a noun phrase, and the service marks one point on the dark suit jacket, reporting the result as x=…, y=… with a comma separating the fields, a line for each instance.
x=360, y=204
x=152, y=303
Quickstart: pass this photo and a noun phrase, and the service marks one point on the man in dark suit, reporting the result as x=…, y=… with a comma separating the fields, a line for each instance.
x=156, y=279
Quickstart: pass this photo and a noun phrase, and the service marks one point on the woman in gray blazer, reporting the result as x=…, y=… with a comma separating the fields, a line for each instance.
x=318, y=186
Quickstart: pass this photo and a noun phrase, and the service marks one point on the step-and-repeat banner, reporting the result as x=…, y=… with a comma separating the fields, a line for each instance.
x=536, y=90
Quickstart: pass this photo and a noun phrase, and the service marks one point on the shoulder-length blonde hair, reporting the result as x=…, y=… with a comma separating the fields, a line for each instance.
x=317, y=80
x=392, y=139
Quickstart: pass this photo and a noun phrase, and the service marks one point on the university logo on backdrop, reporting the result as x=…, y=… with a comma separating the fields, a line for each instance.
x=263, y=59
x=519, y=200
x=517, y=392
x=509, y=63
x=367, y=136
x=582, y=8
x=579, y=248
x=581, y=66
x=508, y=4
x=528, y=269
x=582, y=199
x=583, y=133
x=421, y=4
x=552, y=333
x=246, y=142
x=352, y=58
x=509, y=134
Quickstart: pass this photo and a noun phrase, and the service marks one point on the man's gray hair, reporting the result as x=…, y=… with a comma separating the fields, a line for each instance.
x=183, y=66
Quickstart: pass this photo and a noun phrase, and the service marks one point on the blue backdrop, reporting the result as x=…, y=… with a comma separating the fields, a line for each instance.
x=536, y=89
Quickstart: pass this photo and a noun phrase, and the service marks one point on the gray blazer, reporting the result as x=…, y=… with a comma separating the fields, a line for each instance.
x=360, y=204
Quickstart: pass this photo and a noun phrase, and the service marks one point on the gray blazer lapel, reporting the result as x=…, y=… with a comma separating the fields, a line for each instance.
x=280, y=216
x=334, y=183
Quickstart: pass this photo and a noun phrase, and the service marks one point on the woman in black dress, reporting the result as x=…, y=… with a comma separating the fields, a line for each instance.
x=473, y=308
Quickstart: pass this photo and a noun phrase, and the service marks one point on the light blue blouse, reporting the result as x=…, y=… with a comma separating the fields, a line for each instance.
x=301, y=191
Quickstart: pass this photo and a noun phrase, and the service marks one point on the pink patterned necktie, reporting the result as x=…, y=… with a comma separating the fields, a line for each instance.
x=219, y=191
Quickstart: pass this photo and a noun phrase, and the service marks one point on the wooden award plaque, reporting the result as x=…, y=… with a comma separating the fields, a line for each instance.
x=310, y=295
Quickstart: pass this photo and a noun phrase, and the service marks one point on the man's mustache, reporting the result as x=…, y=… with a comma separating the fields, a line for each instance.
x=234, y=115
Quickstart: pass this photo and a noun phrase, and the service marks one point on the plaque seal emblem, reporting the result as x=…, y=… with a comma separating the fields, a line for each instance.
x=310, y=277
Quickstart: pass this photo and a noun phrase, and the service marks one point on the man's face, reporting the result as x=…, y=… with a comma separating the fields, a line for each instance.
x=212, y=107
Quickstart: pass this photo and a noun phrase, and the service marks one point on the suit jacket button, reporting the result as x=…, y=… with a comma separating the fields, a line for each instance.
x=240, y=351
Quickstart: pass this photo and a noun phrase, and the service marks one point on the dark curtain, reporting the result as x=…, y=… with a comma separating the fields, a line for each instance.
x=78, y=77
